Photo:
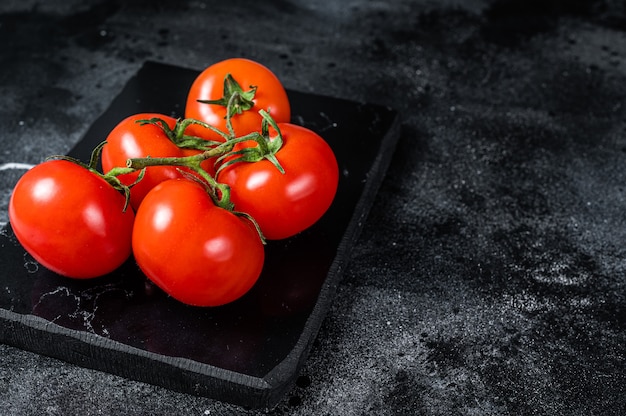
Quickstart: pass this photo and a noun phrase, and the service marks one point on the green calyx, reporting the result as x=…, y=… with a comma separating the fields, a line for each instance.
x=265, y=148
x=234, y=98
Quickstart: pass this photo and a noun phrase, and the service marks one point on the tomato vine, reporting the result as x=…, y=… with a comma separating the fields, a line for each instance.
x=235, y=149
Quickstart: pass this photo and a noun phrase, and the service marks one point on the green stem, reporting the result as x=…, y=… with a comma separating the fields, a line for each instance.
x=193, y=163
x=181, y=126
x=230, y=112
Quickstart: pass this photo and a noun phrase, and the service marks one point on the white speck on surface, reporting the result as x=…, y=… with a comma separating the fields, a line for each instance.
x=16, y=165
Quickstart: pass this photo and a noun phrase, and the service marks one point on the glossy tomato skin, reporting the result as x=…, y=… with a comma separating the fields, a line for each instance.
x=129, y=139
x=71, y=220
x=209, y=85
x=286, y=204
x=198, y=253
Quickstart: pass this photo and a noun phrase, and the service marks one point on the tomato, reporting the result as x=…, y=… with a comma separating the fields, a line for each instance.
x=198, y=253
x=270, y=96
x=284, y=204
x=71, y=220
x=130, y=139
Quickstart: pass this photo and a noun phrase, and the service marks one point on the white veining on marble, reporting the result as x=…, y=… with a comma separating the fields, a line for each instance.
x=15, y=165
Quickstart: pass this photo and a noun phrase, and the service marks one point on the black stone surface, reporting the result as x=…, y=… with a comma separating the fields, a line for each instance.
x=490, y=276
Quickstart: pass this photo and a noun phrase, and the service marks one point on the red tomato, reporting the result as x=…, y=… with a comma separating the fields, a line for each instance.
x=284, y=204
x=270, y=96
x=130, y=139
x=71, y=220
x=198, y=253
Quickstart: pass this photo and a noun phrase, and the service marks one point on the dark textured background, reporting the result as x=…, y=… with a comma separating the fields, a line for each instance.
x=490, y=276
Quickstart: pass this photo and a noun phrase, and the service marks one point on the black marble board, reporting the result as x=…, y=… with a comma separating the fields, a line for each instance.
x=248, y=352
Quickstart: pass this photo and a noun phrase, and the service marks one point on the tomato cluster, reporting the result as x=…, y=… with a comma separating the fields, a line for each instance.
x=193, y=199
